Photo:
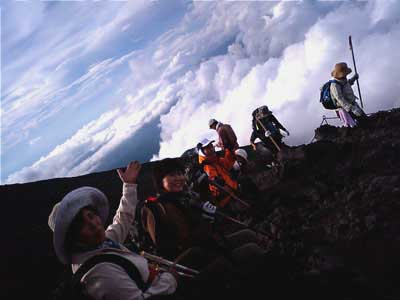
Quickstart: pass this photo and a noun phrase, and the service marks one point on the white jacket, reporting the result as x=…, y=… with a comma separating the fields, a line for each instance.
x=109, y=281
x=343, y=94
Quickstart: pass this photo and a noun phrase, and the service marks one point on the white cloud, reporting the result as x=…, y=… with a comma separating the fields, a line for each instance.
x=35, y=140
x=84, y=151
x=224, y=60
x=39, y=74
x=286, y=62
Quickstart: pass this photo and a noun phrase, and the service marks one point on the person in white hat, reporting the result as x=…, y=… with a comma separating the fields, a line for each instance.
x=240, y=173
x=241, y=159
x=240, y=165
x=78, y=224
x=217, y=168
x=226, y=136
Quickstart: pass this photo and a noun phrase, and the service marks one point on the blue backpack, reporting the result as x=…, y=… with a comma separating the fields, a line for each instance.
x=325, y=97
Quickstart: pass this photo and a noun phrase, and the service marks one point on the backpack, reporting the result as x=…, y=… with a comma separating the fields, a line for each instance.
x=172, y=225
x=325, y=96
x=71, y=288
x=146, y=238
x=262, y=114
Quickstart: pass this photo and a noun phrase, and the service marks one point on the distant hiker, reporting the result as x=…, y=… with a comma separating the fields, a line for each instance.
x=267, y=128
x=226, y=136
x=218, y=170
x=343, y=97
x=79, y=237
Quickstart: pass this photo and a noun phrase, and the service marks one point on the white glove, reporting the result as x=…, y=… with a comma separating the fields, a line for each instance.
x=357, y=110
x=209, y=210
x=267, y=133
x=236, y=166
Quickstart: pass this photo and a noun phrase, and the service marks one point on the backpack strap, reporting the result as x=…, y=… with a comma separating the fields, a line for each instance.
x=127, y=265
x=337, y=82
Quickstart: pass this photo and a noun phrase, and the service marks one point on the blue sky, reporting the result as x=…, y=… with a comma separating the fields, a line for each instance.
x=88, y=86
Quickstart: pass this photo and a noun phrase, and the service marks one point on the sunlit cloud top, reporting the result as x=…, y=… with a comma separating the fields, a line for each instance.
x=84, y=91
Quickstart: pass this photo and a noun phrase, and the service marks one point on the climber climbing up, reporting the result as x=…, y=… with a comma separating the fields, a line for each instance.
x=267, y=128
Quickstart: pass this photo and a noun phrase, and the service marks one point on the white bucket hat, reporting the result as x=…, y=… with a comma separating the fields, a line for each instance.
x=65, y=211
x=241, y=153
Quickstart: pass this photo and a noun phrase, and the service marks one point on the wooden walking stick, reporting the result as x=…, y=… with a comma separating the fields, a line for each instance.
x=355, y=70
x=272, y=139
x=226, y=190
x=233, y=220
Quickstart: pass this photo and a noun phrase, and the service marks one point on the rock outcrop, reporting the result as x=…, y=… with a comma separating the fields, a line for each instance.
x=331, y=210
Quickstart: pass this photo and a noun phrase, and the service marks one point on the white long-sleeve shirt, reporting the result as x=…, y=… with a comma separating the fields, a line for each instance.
x=108, y=281
x=342, y=93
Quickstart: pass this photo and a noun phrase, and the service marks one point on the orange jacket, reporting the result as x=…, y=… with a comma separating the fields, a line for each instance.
x=219, y=166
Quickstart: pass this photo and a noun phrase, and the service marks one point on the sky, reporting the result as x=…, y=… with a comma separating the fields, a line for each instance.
x=88, y=86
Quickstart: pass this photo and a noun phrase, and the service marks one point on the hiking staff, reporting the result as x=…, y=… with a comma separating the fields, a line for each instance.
x=272, y=139
x=355, y=70
x=220, y=187
x=204, y=175
x=233, y=220
x=181, y=270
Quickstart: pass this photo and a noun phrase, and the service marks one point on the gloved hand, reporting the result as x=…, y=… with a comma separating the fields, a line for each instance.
x=153, y=272
x=219, y=181
x=355, y=109
x=356, y=76
x=209, y=210
x=267, y=133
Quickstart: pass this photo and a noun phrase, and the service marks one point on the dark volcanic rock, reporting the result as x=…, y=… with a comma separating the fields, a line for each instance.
x=331, y=209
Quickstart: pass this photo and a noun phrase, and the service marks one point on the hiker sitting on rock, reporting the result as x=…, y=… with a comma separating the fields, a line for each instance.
x=343, y=96
x=79, y=236
x=266, y=127
x=217, y=169
x=181, y=225
x=226, y=136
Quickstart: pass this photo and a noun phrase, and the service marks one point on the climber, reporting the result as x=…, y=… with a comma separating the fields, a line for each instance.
x=267, y=128
x=183, y=225
x=226, y=136
x=217, y=169
x=79, y=236
x=343, y=96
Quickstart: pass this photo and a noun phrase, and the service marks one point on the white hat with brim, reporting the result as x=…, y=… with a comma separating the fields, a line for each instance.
x=202, y=144
x=206, y=142
x=241, y=153
x=65, y=211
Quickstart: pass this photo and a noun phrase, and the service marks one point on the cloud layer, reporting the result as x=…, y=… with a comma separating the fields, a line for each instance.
x=219, y=60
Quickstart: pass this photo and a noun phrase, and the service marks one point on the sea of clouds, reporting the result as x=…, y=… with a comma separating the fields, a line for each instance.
x=224, y=59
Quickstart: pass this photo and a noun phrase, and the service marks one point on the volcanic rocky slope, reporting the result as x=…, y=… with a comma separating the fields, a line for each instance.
x=330, y=209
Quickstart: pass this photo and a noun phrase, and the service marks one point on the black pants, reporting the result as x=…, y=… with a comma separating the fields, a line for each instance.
x=267, y=141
